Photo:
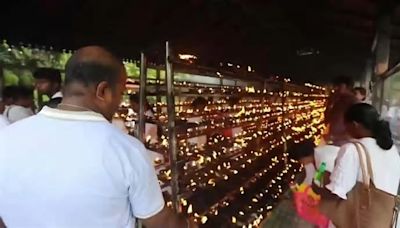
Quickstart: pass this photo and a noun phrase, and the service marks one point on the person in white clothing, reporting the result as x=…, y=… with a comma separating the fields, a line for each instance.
x=22, y=106
x=74, y=168
x=303, y=152
x=364, y=124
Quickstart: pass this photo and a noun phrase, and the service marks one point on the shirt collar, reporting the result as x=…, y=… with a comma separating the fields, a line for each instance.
x=71, y=115
x=57, y=95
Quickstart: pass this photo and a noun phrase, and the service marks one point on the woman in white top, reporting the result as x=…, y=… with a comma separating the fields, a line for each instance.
x=364, y=124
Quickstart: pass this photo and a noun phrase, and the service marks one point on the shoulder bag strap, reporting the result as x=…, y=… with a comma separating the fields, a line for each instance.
x=368, y=159
x=363, y=165
x=362, y=151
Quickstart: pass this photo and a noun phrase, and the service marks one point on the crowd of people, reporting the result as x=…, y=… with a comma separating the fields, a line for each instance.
x=18, y=101
x=359, y=155
x=75, y=169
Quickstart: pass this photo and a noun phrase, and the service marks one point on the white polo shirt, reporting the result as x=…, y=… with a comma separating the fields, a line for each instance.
x=69, y=169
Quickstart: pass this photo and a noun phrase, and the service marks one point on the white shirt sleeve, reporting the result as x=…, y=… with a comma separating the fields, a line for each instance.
x=18, y=113
x=145, y=193
x=345, y=173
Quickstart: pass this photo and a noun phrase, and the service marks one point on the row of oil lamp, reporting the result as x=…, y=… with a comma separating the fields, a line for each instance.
x=203, y=219
x=243, y=175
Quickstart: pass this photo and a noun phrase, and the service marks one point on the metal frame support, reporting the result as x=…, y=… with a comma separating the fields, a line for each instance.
x=142, y=96
x=173, y=155
x=158, y=95
x=283, y=89
x=382, y=58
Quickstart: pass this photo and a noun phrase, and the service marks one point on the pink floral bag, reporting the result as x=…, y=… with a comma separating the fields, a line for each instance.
x=307, y=206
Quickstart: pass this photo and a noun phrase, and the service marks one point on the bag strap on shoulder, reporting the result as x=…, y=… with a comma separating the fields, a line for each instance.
x=365, y=163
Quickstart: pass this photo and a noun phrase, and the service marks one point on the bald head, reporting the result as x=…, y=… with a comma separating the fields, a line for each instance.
x=94, y=79
x=91, y=65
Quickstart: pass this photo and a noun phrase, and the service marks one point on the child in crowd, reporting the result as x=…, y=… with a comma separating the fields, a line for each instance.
x=285, y=215
x=304, y=153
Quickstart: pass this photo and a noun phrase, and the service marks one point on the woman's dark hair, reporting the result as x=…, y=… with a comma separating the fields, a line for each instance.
x=368, y=117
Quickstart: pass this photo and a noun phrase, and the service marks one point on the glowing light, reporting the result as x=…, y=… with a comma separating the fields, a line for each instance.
x=234, y=220
x=204, y=219
x=190, y=209
x=187, y=57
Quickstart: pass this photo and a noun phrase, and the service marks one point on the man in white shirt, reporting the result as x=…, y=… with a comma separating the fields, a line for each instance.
x=74, y=168
x=48, y=82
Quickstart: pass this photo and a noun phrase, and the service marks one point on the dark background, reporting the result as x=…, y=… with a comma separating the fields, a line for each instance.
x=308, y=40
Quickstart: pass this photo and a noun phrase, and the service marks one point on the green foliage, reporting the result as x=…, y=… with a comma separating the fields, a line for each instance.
x=132, y=69
x=10, y=78
x=20, y=61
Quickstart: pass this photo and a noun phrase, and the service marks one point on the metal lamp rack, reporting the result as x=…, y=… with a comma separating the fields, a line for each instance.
x=230, y=181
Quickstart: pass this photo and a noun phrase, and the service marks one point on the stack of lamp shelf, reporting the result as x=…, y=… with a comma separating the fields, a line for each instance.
x=231, y=162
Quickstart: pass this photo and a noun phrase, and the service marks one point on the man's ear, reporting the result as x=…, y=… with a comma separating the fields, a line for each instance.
x=102, y=90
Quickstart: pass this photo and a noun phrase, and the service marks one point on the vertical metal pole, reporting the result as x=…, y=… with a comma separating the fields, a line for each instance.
x=368, y=74
x=283, y=121
x=158, y=96
x=382, y=57
x=142, y=96
x=173, y=153
x=142, y=102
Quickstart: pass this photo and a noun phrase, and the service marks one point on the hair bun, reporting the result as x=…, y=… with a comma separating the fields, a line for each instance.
x=383, y=135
